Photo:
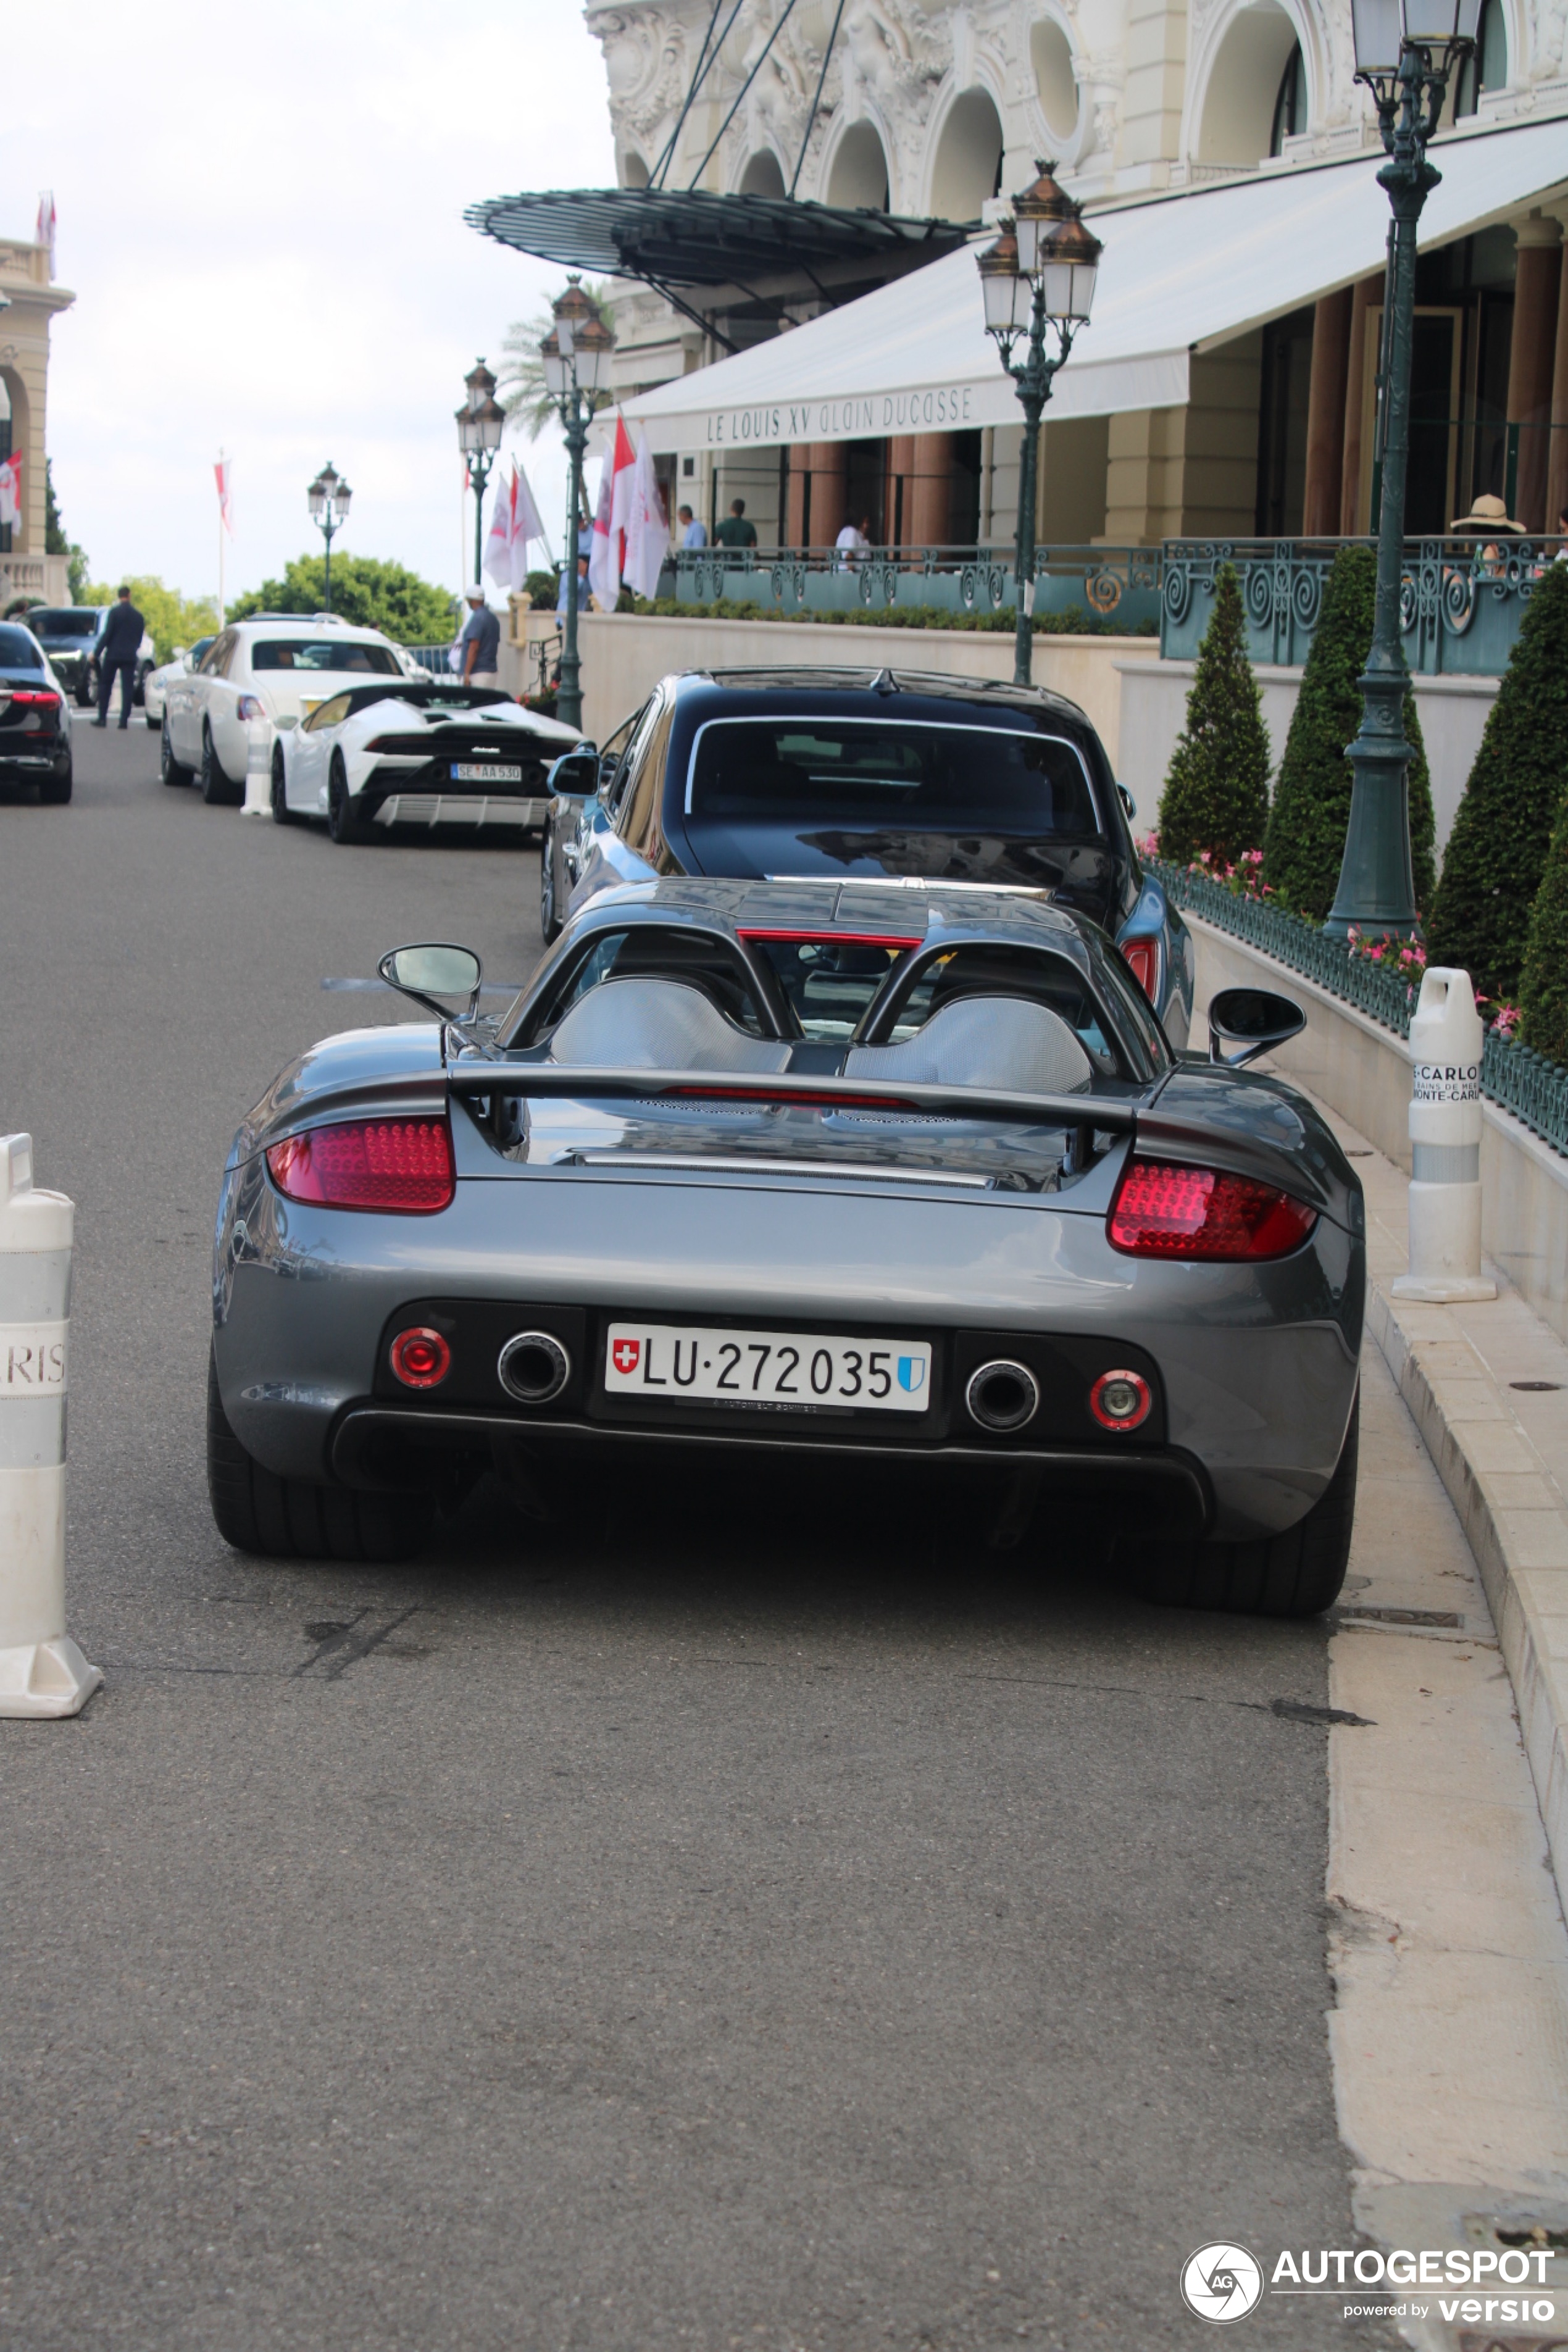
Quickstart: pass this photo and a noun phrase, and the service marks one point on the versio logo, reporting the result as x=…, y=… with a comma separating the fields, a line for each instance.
x=1222, y=2282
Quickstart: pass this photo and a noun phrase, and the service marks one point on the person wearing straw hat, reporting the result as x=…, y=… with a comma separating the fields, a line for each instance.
x=1488, y=514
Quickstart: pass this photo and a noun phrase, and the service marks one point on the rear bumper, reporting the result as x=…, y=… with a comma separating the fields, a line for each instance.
x=459, y=807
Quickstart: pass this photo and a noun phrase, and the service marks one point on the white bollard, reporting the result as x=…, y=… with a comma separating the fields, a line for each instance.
x=257, y=768
x=1445, y=1143
x=42, y=1671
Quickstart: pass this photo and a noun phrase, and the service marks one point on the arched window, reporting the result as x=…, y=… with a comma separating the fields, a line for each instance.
x=860, y=172
x=968, y=165
x=1289, y=103
x=763, y=176
x=1486, y=68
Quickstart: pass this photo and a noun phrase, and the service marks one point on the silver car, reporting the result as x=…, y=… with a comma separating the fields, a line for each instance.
x=903, y=1172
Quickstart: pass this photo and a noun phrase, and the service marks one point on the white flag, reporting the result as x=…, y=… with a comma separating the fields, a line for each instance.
x=605, y=564
x=222, y=474
x=647, y=528
x=11, y=492
x=44, y=233
x=514, y=522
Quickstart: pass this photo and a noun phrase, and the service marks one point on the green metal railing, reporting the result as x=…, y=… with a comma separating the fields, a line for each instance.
x=1461, y=600
x=1116, y=588
x=1513, y=1076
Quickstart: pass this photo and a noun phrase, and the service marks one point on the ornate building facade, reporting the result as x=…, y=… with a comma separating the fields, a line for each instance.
x=29, y=303
x=931, y=110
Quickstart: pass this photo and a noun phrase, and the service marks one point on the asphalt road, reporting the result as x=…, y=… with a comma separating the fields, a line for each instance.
x=743, y=1915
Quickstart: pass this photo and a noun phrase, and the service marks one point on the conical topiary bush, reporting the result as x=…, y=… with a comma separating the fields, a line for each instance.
x=1305, y=845
x=1496, y=857
x=1216, y=793
x=1543, y=990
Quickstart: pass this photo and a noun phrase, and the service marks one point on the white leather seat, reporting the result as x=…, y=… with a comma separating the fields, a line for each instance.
x=657, y=1024
x=1005, y=1042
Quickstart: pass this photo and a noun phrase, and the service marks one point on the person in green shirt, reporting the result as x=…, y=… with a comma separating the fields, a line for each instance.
x=735, y=531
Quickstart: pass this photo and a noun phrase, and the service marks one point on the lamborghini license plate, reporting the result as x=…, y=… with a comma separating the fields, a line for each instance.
x=781, y=1369
x=468, y=771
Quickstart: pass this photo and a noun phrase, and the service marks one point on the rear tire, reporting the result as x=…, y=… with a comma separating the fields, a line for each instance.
x=281, y=812
x=342, y=823
x=216, y=790
x=1297, y=1574
x=172, y=770
x=290, y=1519
x=57, y=790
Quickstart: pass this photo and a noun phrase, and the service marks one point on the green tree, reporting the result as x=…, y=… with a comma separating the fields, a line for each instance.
x=1305, y=843
x=57, y=544
x=1543, y=987
x=1497, y=853
x=520, y=387
x=172, y=620
x=1216, y=793
x=368, y=591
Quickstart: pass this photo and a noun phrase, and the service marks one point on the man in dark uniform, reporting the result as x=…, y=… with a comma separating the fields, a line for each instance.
x=118, y=652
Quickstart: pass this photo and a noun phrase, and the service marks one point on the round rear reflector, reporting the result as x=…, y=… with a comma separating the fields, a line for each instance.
x=420, y=1358
x=1120, y=1400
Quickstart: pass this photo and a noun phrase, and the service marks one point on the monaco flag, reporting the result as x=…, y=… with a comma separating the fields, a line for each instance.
x=608, y=556
x=647, y=528
x=222, y=474
x=515, y=522
x=10, y=492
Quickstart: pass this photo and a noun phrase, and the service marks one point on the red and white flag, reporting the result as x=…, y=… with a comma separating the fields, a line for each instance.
x=222, y=474
x=515, y=521
x=607, y=560
x=647, y=526
x=11, y=492
x=44, y=233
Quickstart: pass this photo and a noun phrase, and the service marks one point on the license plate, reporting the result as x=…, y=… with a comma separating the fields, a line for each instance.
x=464, y=771
x=783, y=1369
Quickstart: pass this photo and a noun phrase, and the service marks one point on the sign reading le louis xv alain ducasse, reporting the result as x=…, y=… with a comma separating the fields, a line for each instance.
x=943, y=406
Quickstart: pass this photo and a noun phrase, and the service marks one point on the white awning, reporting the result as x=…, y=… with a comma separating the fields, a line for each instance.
x=1180, y=274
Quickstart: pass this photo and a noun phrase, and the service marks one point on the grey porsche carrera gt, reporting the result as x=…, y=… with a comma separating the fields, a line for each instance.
x=887, y=1171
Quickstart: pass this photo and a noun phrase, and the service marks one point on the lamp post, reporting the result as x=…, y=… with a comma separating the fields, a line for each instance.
x=1040, y=272
x=329, y=498
x=576, y=356
x=1405, y=52
x=481, y=421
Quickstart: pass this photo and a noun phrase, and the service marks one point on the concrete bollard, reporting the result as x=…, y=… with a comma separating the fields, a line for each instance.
x=1445, y=1143
x=42, y=1671
x=257, y=768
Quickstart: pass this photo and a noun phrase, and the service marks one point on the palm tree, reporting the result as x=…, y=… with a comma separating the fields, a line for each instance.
x=520, y=391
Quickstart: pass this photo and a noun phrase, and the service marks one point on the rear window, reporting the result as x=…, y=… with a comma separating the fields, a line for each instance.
x=17, y=650
x=858, y=776
x=317, y=654
x=65, y=624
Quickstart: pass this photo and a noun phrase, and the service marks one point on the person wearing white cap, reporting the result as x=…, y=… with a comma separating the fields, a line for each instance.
x=479, y=643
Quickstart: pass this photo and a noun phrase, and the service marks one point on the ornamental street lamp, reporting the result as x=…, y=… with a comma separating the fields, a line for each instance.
x=329, y=498
x=1040, y=271
x=481, y=421
x=1405, y=52
x=576, y=356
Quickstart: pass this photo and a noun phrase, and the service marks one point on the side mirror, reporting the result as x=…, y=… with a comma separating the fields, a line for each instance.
x=429, y=971
x=575, y=775
x=1247, y=1022
x=1128, y=802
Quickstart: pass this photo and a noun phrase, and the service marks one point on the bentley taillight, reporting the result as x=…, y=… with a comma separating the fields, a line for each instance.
x=35, y=698
x=400, y=1165
x=1164, y=1209
x=1142, y=960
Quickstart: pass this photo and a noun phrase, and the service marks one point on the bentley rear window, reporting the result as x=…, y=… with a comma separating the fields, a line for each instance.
x=862, y=774
x=322, y=653
x=18, y=651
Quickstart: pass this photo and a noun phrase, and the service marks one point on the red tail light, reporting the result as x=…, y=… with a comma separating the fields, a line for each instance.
x=1162, y=1210
x=404, y=1165
x=1142, y=960
x=420, y=1358
x=35, y=698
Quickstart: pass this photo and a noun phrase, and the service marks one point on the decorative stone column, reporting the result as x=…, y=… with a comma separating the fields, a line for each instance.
x=1363, y=296
x=927, y=500
x=829, y=489
x=1530, y=357
x=1326, y=415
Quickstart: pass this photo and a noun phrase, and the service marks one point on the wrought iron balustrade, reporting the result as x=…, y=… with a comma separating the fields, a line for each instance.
x=1462, y=599
x=1116, y=588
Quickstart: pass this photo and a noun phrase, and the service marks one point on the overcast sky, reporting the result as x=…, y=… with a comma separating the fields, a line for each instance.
x=261, y=216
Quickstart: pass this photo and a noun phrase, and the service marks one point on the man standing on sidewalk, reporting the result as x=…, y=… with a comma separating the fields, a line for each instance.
x=121, y=645
x=480, y=641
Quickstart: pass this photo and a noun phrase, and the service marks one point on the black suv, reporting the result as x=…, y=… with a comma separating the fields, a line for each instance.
x=68, y=634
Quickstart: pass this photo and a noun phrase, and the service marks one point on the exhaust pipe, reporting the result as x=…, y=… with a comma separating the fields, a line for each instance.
x=1003, y=1395
x=533, y=1367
